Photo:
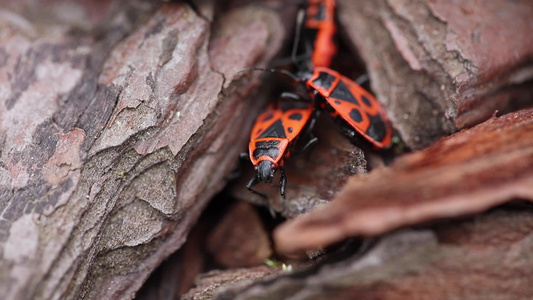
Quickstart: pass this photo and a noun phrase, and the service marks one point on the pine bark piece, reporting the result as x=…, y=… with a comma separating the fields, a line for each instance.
x=239, y=239
x=439, y=66
x=485, y=257
x=211, y=283
x=463, y=174
x=115, y=136
x=177, y=274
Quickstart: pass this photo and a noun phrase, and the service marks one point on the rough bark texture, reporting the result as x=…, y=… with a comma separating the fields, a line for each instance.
x=481, y=257
x=466, y=173
x=487, y=257
x=119, y=122
x=439, y=66
x=209, y=284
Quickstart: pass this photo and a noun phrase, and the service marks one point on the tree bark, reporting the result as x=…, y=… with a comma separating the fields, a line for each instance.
x=486, y=257
x=119, y=122
x=467, y=173
x=441, y=66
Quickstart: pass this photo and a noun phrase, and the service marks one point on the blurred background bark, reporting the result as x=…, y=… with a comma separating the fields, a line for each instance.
x=121, y=120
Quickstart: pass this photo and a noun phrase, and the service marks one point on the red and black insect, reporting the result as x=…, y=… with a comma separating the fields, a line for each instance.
x=348, y=102
x=318, y=30
x=320, y=24
x=275, y=135
x=278, y=128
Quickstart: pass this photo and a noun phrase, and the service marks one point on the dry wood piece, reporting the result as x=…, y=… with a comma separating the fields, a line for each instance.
x=211, y=283
x=486, y=257
x=443, y=65
x=463, y=174
x=116, y=128
x=240, y=239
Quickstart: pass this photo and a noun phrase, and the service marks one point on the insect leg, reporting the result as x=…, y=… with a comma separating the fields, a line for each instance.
x=312, y=141
x=362, y=80
x=309, y=132
x=350, y=133
x=253, y=182
x=294, y=97
x=282, y=182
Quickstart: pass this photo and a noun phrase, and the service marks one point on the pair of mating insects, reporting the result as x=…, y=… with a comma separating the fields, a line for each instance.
x=286, y=124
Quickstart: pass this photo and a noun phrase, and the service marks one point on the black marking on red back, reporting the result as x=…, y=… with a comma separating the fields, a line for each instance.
x=355, y=114
x=321, y=15
x=341, y=91
x=324, y=80
x=296, y=116
x=267, y=117
x=275, y=130
x=268, y=148
x=366, y=100
x=377, y=129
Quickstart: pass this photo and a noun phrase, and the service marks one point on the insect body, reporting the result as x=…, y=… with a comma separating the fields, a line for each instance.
x=276, y=132
x=274, y=136
x=319, y=31
x=348, y=102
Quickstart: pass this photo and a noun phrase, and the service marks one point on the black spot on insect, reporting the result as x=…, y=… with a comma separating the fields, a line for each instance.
x=289, y=129
x=366, y=101
x=355, y=115
x=321, y=15
x=337, y=102
x=267, y=144
x=342, y=92
x=268, y=148
x=275, y=130
x=377, y=129
x=268, y=117
x=271, y=152
x=324, y=80
x=296, y=116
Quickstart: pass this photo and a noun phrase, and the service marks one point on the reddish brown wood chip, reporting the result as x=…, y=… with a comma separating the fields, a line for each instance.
x=240, y=239
x=463, y=174
x=209, y=283
x=439, y=66
x=485, y=257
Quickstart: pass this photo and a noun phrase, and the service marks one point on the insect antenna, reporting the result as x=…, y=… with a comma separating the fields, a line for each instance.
x=285, y=72
x=299, y=21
